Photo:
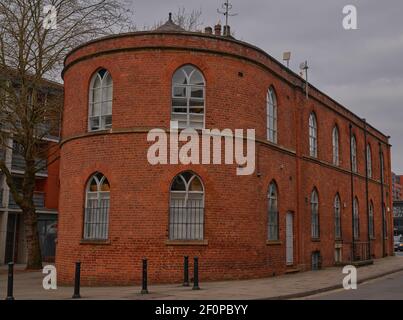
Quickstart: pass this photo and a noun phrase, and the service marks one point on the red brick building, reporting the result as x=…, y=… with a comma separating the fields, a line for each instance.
x=320, y=194
x=46, y=195
x=397, y=187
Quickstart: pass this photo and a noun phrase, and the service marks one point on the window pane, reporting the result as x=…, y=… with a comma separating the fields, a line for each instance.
x=96, y=95
x=179, y=91
x=179, y=77
x=107, y=94
x=178, y=184
x=197, y=78
x=94, y=123
x=197, y=92
x=97, y=82
x=196, y=185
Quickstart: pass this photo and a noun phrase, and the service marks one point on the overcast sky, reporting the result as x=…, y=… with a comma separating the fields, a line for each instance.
x=362, y=69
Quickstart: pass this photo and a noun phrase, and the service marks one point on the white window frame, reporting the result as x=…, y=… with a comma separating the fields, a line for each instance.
x=369, y=161
x=273, y=214
x=100, y=212
x=371, y=221
x=313, y=135
x=188, y=119
x=271, y=104
x=315, y=223
x=181, y=213
x=336, y=146
x=356, y=219
x=337, y=217
x=354, y=162
x=104, y=118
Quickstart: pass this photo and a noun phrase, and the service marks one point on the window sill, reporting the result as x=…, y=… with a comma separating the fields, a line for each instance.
x=274, y=242
x=186, y=242
x=99, y=131
x=95, y=242
x=315, y=240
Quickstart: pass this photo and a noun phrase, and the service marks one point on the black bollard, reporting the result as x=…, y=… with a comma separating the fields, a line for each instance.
x=186, y=272
x=144, y=289
x=76, y=294
x=10, y=282
x=196, y=274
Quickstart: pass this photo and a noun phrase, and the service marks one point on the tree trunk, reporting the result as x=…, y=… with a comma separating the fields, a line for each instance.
x=34, y=256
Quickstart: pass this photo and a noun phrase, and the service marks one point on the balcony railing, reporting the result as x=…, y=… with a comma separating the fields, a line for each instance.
x=39, y=201
x=18, y=164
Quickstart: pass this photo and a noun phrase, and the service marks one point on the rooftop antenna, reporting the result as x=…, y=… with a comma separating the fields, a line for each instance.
x=287, y=58
x=304, y=72
x=227, y=7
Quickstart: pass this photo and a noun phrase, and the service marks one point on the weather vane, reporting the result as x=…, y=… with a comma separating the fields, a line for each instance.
x=227, y=7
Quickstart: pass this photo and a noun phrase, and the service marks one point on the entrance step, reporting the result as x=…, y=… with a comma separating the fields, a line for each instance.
x=291, y=270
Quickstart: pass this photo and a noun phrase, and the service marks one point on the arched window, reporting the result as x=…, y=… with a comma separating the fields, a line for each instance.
x=354, y=154
x=371, y=221
x=336, y=152
x=273, y=212
x=188, y=94
x=315, y=215
x=186, y=220
x=356, y=219
x=313, y=136
x=96, y=218
x=271, y=116
x=100, y=113
x=369, y=161
x=337, y=217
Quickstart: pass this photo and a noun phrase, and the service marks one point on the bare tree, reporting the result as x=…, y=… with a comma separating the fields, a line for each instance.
x=34, y=39
x=190, y=21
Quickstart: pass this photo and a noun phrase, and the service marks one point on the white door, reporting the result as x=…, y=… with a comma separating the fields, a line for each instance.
x=289, y=239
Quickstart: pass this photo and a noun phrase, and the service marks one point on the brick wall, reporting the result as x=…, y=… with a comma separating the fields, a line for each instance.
x=142, y=66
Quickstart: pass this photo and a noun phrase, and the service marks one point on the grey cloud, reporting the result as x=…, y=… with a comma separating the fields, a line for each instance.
x=363, y=69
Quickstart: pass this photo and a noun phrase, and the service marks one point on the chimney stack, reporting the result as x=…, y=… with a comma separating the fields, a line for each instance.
x=227, y=31
x=217, y=30
x=208, y=30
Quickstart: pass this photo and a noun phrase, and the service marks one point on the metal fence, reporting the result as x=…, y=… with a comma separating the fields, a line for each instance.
x=96, y=223
x=186, y=222
x=38, y=198
x=360, y=251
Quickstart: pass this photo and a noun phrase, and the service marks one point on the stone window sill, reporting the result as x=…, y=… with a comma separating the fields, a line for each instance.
x=95, y=242
x=315, y=240
x=186, y=242
x=274, y=242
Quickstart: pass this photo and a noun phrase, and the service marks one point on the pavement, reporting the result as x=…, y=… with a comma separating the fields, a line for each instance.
x=28, y=285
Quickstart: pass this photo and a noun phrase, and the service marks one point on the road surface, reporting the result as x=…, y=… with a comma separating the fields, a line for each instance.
x=386, y=288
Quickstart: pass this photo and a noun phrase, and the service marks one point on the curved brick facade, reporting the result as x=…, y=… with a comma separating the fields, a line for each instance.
x=235, y=244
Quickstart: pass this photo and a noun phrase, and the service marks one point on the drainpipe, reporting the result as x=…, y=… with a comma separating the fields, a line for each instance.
x=367, y=188
x=382, y=165
x=352, y=193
